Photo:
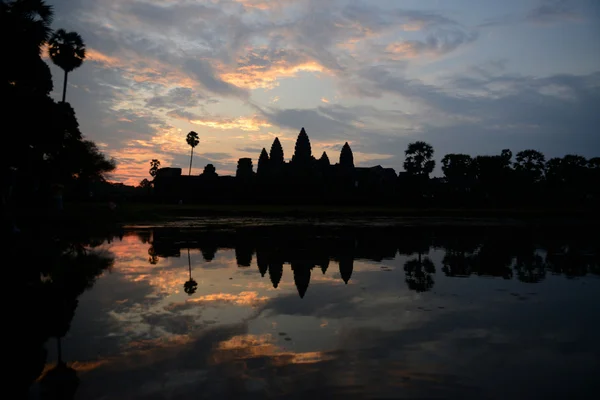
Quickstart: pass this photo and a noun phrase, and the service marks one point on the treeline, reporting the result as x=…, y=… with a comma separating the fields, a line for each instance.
x=46, y=153
x=503, y=180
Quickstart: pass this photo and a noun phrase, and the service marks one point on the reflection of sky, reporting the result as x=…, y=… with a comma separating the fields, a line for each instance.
x=137, y=333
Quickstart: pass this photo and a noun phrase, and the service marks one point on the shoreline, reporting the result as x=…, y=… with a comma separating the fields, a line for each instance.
x=144, y=213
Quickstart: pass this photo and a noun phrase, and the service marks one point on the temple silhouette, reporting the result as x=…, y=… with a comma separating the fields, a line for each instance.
x=493, y=181
x=304, y=178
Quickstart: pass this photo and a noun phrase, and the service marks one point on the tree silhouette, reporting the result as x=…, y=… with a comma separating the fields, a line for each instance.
x=262, y=169
x=531, y=164
x=302, y=151
x=346, y=157
x=67, y=51
x=190, y=286
x=276, y=154
x=154, y=166
x=209, y=171
x=419, y=159
x=458, y=170
x=192, y=141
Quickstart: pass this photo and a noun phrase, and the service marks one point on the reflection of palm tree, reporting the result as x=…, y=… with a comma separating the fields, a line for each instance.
x=419, y=274
x=66, y=50
x=530, y=266
x=191, y=285
x=60, y=382
x=153, y=257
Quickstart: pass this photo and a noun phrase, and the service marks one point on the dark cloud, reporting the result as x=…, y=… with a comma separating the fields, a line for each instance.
x=207, y=77
x=552, y=11
x=183, y=114
x=180, y=96
x=438, y=43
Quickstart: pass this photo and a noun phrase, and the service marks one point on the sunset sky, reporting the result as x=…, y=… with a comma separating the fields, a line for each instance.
x=467, y=76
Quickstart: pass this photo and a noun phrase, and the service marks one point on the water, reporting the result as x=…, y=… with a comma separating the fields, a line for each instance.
x=355, y=311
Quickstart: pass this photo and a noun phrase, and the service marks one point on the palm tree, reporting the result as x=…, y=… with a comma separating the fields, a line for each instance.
x=192, y=140
x=67, y=50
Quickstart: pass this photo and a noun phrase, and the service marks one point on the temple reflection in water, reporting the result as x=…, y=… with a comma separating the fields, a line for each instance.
x=482, y=251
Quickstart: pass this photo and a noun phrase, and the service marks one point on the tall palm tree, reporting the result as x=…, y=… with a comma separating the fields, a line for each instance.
x=192, y=140
x=67, y=50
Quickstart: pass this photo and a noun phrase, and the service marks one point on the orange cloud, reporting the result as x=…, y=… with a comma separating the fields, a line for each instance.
x=403, y=49
x=250, y=124
x=142, y=69
x=265, y=77
x=324, y=100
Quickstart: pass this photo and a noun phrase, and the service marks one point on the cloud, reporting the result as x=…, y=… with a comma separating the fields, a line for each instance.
x=255, y=150
x=549, y=11
x=251, y=123
x=179, y=96
x=437, y=44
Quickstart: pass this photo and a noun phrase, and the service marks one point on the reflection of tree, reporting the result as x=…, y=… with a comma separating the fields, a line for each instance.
x=153, y=257
x=493, y=259
x=190, y=285
x=569, y=260
x=69, y=270
x=60, y=382
x=456, y=263
x=529, y=266
x=419, y=274
x=459, y=247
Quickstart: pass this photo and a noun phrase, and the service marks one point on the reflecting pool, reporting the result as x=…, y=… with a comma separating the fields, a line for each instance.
x=362, y=311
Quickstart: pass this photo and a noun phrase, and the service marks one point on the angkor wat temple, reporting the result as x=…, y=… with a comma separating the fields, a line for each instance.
x=303, y=179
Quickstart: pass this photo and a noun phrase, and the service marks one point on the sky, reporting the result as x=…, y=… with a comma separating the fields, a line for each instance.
x=466, y=76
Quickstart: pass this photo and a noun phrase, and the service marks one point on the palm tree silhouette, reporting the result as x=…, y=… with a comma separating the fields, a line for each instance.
x=67, y=50
x=191, y=285
x=192, y=140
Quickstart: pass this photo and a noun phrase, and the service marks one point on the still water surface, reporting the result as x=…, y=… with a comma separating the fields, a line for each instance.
x=290, y=312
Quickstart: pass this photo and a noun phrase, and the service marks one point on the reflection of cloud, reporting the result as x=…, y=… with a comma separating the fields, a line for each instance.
x=241, y=299
x=251, y=346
